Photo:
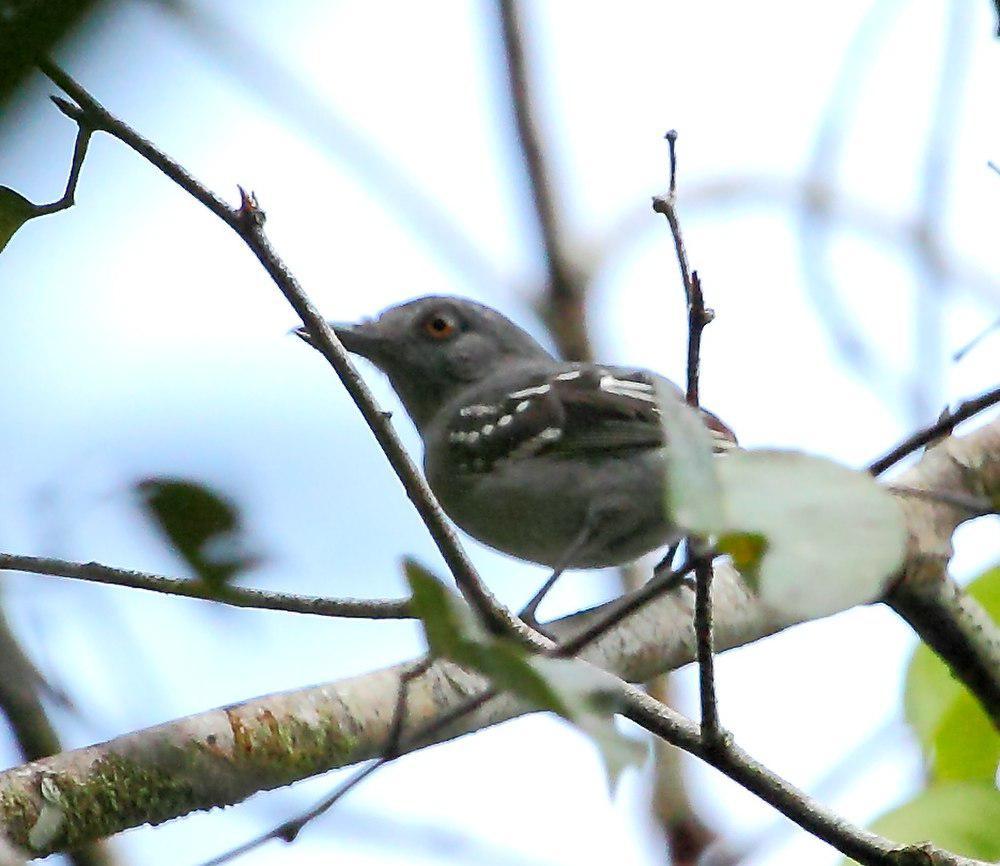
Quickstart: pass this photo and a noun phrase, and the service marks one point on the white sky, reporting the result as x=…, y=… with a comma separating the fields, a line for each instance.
x=139, y=338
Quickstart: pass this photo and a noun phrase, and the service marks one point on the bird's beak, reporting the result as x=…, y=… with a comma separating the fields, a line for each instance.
x=361, y=338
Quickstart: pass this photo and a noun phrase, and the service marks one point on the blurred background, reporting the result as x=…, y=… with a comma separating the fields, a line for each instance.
x=836, y=201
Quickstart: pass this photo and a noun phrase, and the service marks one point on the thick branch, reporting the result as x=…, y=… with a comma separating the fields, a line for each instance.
x=949, y=621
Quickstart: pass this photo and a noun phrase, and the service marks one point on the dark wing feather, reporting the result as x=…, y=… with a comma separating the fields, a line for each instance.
x=577, y=411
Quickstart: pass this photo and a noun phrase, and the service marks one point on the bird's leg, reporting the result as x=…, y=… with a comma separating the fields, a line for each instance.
x=662, y=571
x=667, y=562
x=527, y=614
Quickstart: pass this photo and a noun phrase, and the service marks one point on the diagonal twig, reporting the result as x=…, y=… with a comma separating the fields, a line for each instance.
x=942, y=427
x=247, y=221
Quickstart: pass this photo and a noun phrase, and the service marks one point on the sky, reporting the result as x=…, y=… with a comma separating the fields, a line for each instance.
x=139, y=338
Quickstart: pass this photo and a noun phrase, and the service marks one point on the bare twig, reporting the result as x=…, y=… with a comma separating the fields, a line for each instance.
x=247, y=221
x=667, y=205
x=866, y=847
x=942, y=427
x=83, y=133
x=712, y=734
x=236, y=596
x=564, y=305
x=698, y=318
x=623, y=607
x=975, y=341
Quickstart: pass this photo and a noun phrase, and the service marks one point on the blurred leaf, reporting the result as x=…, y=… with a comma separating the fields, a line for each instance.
x=15, y=211
x=203, y=526
x=450, y=627
x=958, y=738
x=746, y=549
x=694, y=493
x=29, y=28
x=580, y=693
x=833, y=535
x=961, y=817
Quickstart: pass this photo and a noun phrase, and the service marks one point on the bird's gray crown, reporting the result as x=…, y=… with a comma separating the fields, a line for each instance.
x=434, y=347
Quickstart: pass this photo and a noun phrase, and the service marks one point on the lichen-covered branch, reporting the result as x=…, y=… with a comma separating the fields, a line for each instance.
x=222, y=756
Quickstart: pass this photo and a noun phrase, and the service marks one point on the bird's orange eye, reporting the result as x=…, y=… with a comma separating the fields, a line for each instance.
x=440, y=326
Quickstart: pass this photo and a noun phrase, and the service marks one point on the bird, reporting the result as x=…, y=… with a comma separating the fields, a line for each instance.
x=554, y=462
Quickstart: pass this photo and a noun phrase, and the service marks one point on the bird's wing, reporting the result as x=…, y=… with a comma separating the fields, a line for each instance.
x=578, y=410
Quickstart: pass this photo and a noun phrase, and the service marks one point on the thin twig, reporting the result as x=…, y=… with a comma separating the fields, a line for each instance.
x=942, y=427
x=623, y=607
x=712, y=734
x=975, y=341
x=864, y=846
x=248, y=222
x=236, y=596
x=564, y=306
x=83, y=133
x=667, y=205
x=698, y=318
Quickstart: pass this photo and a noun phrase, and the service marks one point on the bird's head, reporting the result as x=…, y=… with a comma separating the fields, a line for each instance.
x=434, y=347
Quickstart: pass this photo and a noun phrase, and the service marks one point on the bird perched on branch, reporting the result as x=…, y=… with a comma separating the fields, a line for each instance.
x=553, y=462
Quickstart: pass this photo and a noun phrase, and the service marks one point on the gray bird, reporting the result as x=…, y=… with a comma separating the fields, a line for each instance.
x=553, y=462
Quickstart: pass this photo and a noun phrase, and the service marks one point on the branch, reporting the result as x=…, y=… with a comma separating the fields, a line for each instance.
x=564, y=308
x=248, y=222
x=667, y=205
x=949, y=621
x=236, y=596
x=698, y=318
x=865, y=847
x=943, y=427
x=83, y=134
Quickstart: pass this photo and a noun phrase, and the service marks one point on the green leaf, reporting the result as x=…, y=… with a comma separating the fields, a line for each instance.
x=961, y=817
x=833, y=536
x=957, y=737
x=450, y=627
x=203, y=526
x=694, y=493
x=580, y=693
x=15, y=211
x=746, y=549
